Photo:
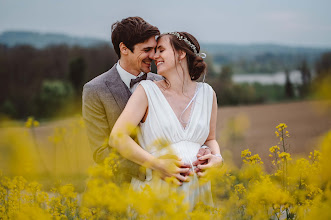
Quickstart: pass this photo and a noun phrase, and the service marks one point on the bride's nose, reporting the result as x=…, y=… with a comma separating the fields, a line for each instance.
x=156, y=55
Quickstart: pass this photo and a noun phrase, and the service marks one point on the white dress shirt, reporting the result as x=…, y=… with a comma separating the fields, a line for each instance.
x=126, y=77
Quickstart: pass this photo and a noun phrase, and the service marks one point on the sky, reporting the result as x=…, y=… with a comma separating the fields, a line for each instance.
x=288, y=22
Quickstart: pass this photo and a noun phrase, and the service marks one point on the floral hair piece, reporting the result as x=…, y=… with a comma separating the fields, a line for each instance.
x=192, y=46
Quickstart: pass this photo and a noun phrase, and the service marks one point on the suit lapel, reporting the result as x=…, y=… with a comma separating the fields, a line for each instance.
x=117, y=87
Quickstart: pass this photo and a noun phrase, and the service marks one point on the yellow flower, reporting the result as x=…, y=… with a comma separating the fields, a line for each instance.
x=245, y=153
x=281, y=126
x=35, y=124
x=273, y=149
x=29, y=122
x=285, y=155
x=239, y=188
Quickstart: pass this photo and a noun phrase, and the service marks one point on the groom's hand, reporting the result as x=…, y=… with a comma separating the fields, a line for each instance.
x=200, y=160
x=203, y=151
x=212, y=161
x=171, y=166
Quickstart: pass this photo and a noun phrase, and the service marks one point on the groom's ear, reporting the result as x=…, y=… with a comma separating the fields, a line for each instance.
x=124, y=50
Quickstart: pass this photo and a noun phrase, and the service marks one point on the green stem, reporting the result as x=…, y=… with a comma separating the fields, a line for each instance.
x=283, y=141
x=54, y=158
x=19, y=200
x=7, y=203
x=34, y=137
x=66, y=153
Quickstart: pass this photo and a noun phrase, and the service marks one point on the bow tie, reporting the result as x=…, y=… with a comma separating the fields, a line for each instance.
x=138, y=79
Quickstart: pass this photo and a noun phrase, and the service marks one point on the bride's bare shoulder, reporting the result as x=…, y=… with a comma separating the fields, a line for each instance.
x=159, y=83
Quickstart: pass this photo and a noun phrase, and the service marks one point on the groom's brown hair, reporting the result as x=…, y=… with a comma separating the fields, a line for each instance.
x=131, y=31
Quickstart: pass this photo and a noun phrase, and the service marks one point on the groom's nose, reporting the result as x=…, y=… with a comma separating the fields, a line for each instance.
x=151, y=54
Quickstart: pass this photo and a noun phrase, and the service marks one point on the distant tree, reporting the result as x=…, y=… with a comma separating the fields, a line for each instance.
x=323, y=65
x=226, y=75
x=223, y=86
x=306, y=78
x=99, y=59
x=77, y=73
x=25, y=69
x=211, y=73
x=8, y=109
x=21, y=79
x=54, y=96
x=288, y=86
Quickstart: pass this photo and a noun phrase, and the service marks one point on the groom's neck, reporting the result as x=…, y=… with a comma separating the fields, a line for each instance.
x=127, y=66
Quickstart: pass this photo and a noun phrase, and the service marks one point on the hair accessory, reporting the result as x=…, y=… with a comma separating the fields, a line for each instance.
x=193, y=47
x=202, y=55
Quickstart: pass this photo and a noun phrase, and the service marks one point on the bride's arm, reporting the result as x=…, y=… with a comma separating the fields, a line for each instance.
x=120, y=138
x=211, y=139
x=214, y=158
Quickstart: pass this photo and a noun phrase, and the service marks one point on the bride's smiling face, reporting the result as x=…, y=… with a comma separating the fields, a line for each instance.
x=165, y=55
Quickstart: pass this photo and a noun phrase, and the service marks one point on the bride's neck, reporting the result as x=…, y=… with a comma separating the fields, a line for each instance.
x=180, y=82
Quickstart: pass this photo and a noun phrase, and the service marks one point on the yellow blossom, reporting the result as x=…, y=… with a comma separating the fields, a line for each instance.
x=285, y=155
x=29, y=122
x=35, y=123
x=281, y=126
x=299, y=187
x=245, y=153
x=274, y=148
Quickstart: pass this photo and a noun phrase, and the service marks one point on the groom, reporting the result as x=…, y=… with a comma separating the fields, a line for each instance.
x=105, y=96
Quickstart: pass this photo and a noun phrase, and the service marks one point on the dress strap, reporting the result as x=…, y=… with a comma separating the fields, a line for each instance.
x=195, y=95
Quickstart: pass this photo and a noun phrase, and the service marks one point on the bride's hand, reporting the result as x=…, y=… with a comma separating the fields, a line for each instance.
x=212, y=161
x=201, y=152
x=171, y=166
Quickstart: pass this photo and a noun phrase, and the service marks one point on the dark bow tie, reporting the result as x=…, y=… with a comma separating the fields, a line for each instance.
x=138, y=79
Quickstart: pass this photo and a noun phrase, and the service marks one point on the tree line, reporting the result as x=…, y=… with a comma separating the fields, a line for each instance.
x=48, y=82
x=231, y=93
x=40, y=82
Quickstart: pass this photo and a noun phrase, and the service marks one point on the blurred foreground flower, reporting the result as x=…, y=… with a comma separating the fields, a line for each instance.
x=298, y=188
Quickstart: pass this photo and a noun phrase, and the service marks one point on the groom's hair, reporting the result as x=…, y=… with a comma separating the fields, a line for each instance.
x=131, y=31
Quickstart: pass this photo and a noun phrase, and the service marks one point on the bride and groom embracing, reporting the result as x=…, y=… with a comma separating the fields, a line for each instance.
x=169, y=107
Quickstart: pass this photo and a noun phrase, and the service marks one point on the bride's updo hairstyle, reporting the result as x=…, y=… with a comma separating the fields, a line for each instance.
x=196, y=65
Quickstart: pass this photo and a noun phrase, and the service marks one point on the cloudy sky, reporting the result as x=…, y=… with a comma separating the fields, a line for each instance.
x=289, y=22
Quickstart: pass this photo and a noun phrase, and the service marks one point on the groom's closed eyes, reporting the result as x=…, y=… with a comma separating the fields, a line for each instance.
x=147, y=49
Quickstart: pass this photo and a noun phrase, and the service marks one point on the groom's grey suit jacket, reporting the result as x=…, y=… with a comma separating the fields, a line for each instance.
x=104, y=99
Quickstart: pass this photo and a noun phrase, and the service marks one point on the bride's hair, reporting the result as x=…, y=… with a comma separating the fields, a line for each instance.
x=196, y=65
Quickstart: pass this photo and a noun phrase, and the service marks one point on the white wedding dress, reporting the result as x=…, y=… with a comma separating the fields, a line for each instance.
x=162, y=126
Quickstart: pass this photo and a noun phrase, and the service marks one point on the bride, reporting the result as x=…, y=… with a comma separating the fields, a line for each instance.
x=176, y=117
